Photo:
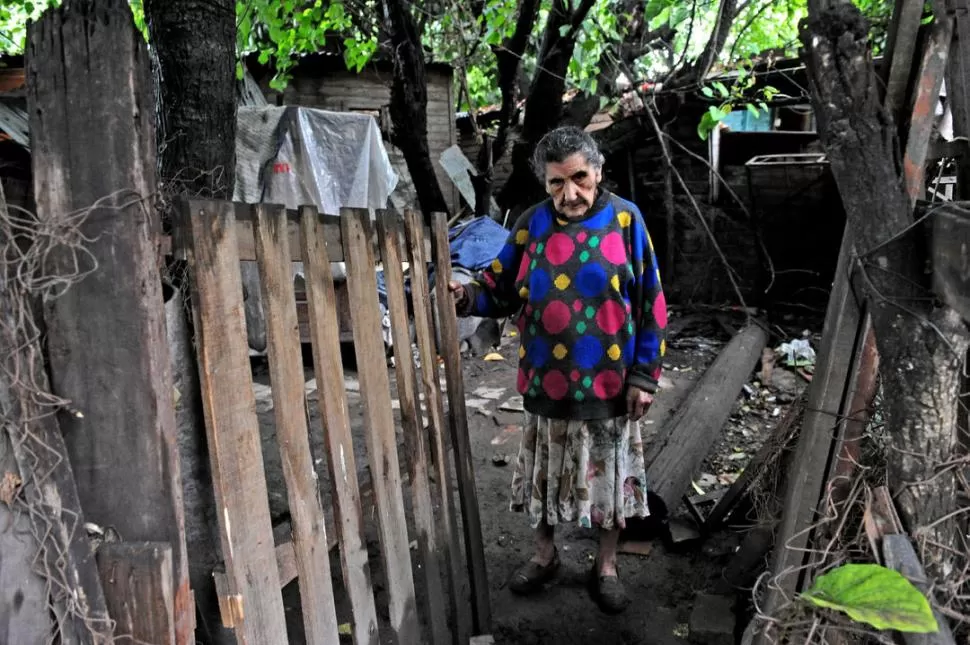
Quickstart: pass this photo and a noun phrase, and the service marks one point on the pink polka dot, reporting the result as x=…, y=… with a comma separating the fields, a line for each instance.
x=613, y=248
x=555, y=385
x=520, y=324
x=581, y=238
x=611, y=316
x=656, y=374
x=559, y=249
x=523, y=267
x=660, y=310
x=556, y=317
x=574, y=375
x=522, y=382
x=489, y=279
x=607, y=385
x=578, y=306
x=532, y=247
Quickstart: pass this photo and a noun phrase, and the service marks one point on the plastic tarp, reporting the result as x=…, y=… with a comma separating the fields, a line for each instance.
x=475, y=244
x=295, y=156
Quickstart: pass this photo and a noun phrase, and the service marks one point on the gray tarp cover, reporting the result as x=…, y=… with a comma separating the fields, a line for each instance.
x=296, y=156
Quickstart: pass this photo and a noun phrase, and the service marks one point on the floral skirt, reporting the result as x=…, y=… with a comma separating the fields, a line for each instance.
x=590, y=472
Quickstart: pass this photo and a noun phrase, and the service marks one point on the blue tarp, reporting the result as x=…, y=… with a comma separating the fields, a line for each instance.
x=475, y=244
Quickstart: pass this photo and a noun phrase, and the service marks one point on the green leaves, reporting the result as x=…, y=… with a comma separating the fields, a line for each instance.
x=875, y=595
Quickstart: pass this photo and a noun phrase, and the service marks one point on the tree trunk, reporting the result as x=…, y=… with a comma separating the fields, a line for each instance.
x=409, y=105
x=543, y=107
x=194, y=47
x=921, y=346
x=194, y=60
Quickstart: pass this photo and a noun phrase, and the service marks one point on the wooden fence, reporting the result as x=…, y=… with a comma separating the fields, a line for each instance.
x=213, y=236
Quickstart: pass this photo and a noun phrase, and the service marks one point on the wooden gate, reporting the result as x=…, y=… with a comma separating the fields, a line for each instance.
x=213, y=237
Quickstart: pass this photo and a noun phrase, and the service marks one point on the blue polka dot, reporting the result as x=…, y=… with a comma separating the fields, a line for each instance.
x=591, y=280
x=537, y=352
x=587, y=352
x=540, y=223
x=602, y=219
x=539, y=284
x=507, y=255
x=648, y=345
x=628, y=350
x=481, y=303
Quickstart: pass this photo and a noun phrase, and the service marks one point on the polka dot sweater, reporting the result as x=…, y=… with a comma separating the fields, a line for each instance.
x=591, y=311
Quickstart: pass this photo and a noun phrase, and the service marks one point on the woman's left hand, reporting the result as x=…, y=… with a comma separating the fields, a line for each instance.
x=637, y=402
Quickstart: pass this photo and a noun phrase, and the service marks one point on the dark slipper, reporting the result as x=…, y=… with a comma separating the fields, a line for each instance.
x=607, y=591
x=531, y=576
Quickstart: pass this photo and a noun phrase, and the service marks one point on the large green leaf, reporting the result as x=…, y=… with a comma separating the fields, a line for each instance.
x=873, y=594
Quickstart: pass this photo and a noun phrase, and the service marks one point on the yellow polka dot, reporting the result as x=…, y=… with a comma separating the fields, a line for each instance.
x=615, y=281
x=614, y=352
x=663, y=348
x=562, y=282
x=560, y=351
x=522, y=236
x=496, y=266
x=561, y=221
x=524, y=292
x=624, y=218
x=650, y=241
x=521, y=351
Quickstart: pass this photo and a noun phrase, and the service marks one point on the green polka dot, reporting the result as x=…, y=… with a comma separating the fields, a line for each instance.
x=537, y=315
x=629, y=328
x=532, y=330
x=587, y=382
x=590, y=312
x=594, y=241
x=533, y=265
x=536, y=380
x=540, y=248
x=532, y=391
x=584, y=256
x=581, y=327
x=579, y=396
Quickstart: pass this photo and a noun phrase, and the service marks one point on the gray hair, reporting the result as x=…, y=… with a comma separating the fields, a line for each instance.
x=559, y=144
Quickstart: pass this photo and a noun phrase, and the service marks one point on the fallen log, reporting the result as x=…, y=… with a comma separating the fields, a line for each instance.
x=676, y=454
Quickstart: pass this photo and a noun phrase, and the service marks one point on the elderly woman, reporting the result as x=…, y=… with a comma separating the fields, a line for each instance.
x=580, y=272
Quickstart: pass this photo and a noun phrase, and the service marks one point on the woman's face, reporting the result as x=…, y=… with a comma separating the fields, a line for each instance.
x=572, y=185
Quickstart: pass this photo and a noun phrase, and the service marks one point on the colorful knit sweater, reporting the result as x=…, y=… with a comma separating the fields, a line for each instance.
x=592, y=313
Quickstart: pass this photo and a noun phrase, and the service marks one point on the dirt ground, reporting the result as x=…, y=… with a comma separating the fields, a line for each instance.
x=663, y=583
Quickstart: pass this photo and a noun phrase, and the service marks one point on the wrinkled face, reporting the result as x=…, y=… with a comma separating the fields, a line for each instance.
x=572, y=185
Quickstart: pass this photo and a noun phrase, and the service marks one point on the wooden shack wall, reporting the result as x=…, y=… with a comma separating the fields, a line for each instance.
x=329, y=87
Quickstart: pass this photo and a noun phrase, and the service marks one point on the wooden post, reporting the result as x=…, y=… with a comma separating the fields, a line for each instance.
x=138, y=585
x=458, y=422
x=93, y=146
x=379, y=423
x=242, y=505
x=286, y=376
x=425, y=332
x=325, y=332
x=389, y=233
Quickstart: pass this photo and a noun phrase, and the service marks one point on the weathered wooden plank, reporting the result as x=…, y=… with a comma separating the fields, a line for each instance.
x=425, y=332
x=951, y=256
x=825, y=397
x=286, y=376
x=930, y=80
x=458, y=422
x=325, y=337
x=138, y=586
x=900, y=50
x=106, y=334
x=958, y=86
x=674, y=457
x=232, y=428
x=389, y=232
x=379, y=423
x=900, y=555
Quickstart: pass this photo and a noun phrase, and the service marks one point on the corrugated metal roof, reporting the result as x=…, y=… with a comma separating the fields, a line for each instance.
x=13, y=121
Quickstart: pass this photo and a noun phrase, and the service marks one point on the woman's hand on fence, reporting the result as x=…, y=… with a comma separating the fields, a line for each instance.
x=637, y=402
x=458, y=293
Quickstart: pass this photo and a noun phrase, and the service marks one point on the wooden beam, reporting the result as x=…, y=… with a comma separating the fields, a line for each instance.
x=325, y=338
x=424, y=330
x=379, y=424
x=232, y=429
x=138, y=585
x=951, y=256
x=286, y=376
x=900, y=50
x=93, y=152
x=458, y=422
x=675, y=455
x=415, y=439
